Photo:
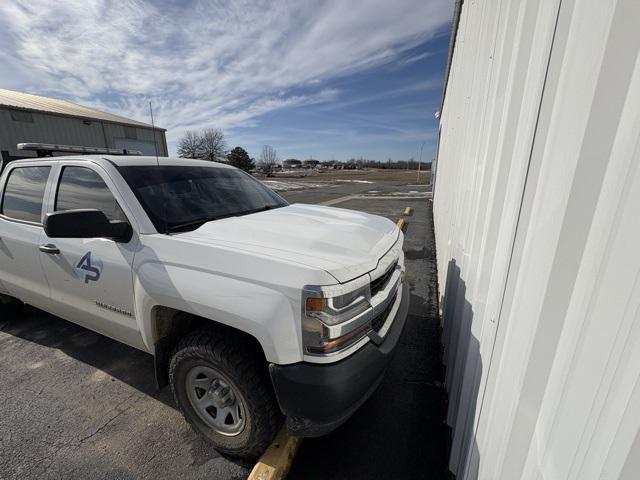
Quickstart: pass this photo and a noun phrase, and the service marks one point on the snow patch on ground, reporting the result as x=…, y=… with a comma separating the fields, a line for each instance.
x=287, y=186
x=355, y=181
x=410, y=193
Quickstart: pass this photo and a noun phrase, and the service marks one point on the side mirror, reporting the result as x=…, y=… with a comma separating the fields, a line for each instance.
x=85, y=224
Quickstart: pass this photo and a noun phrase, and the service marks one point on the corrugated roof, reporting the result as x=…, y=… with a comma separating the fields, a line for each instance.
x=37, y=103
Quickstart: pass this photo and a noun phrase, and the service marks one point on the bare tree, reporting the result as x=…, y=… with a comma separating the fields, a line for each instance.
x=212, y=145
x=189, y=144
x=268, y=159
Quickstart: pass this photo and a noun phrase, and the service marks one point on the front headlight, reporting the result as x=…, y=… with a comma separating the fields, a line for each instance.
x=336, y=316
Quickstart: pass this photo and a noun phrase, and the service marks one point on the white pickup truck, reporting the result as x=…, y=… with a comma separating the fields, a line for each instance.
x=252, y=308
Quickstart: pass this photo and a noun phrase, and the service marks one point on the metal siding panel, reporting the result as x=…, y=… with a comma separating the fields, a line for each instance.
x=52, y=129
x=67, y=131
x=112, y=132
x=602, y=94
x=554, y=392
x=505, y=193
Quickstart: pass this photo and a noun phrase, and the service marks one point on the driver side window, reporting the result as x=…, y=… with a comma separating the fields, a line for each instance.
x=81, y=187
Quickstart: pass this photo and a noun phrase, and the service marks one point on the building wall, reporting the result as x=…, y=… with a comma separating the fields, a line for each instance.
x=46, y=128
x=536, y=208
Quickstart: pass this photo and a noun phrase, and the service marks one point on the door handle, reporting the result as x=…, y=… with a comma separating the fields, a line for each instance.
x=50, y=249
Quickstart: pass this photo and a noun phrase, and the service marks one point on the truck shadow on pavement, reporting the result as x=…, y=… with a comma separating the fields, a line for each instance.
x=119, y=361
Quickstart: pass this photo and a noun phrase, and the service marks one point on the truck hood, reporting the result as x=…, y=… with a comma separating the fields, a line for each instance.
x=344, y=243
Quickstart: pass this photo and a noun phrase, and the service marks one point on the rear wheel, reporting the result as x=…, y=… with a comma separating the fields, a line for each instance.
x=223, y=390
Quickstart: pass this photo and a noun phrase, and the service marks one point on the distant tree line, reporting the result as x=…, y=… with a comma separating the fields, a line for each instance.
x=359, y=163
x=410, y=164
x=210, y=144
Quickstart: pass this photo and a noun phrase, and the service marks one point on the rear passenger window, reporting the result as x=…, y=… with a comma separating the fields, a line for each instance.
x=81, y=187
x=24, y=193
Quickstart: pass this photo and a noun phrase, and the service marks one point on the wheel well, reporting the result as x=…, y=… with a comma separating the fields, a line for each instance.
x=7, y=299
x=171, y=325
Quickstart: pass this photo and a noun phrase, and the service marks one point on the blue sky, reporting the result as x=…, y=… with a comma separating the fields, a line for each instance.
x=322, y=78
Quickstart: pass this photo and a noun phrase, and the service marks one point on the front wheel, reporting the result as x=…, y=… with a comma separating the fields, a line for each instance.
x=224, y=392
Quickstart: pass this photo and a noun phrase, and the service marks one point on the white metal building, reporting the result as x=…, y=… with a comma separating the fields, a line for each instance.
x=537, y=222
x=28, y=118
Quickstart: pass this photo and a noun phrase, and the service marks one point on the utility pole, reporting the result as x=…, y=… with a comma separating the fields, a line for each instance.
x=420, y=161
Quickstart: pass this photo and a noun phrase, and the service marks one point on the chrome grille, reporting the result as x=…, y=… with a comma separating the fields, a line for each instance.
x=381, y=282
x=378, y=320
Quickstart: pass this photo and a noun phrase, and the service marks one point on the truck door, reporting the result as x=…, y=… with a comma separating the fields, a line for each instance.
x=91, y=278
x=21, y=233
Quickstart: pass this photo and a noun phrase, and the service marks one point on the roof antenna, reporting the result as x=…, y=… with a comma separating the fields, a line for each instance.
x=164, y=192
x=153, y=127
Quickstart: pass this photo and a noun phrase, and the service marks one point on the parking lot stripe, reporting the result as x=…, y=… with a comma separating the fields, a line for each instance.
x=338, y=200
x=277, y=459
x=335, y=201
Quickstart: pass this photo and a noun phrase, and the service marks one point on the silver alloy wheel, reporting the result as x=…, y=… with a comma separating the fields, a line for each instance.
x=215, y=400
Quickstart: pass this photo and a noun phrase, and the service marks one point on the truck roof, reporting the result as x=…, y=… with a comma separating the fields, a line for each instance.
x=129, y=160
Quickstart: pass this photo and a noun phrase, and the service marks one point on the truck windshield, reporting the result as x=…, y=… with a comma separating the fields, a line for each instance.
x=182, y=198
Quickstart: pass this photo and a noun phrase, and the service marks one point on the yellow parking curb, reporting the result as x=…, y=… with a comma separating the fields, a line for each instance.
x=408, y=211
x=277, y=459
x=401, y=223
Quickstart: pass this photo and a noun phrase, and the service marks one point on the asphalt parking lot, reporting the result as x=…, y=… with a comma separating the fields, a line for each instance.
x=76, y=404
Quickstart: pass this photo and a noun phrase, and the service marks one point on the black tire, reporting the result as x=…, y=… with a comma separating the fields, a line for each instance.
x=9, y=307
x=246, y=373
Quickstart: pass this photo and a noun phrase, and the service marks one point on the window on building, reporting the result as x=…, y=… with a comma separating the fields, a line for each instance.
x=81, y=187
x=21, y=116
x=24, y=193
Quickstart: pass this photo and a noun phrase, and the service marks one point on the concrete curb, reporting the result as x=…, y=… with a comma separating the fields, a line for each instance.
x=277, y=459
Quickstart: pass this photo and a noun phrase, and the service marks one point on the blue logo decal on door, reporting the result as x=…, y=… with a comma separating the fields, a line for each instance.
x=88, y=268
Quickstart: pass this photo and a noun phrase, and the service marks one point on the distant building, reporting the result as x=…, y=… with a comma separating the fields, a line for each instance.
x=28, y=118
x=262, y=167
x=327, y=165
x=311, y=163
x=291, y=163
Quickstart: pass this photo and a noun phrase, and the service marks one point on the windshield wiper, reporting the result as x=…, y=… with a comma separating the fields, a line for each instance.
x=201, y=221
x=192, y=223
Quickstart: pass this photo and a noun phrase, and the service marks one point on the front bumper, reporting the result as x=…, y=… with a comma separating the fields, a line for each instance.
x=317, y=398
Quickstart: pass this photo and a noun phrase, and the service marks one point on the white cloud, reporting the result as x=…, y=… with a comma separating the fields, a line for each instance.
x=205, y=63
x=412, y=59
x=421, y=86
